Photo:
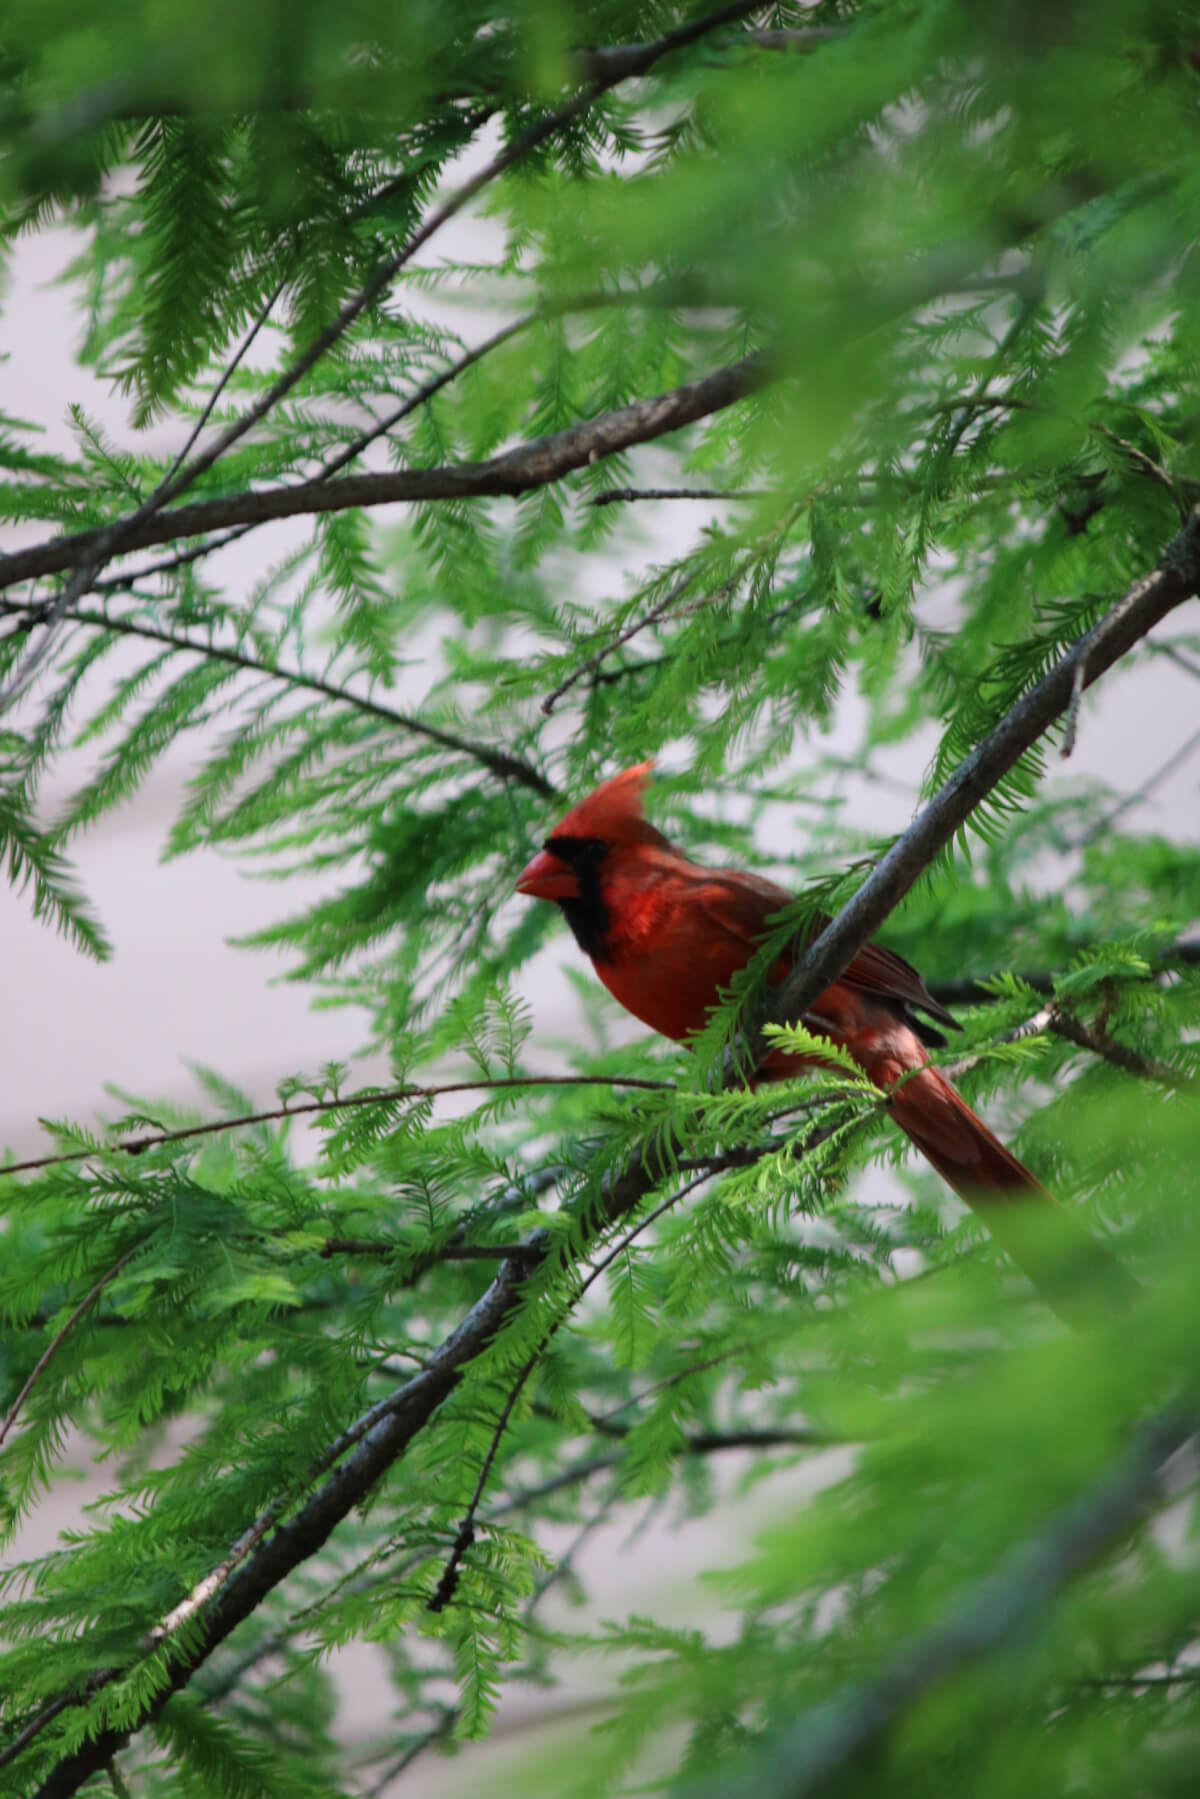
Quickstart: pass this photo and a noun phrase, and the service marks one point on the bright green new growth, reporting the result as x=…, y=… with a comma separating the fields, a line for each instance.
x=934, y=269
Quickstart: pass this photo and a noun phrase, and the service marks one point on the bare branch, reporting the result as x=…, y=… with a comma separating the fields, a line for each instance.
x=518, y=471
x=608, y=64
x=1130, y=1061
x=167, y=565
x=135, y=1146
x=636, y=60
x=461, y=1252
x=1071, y=726
x=612, y=495
x=1033, y=1026
x=662, y=293
x=593, y=661
x=420, y=397
x=171, y=482
x=144, y=526
x=657, y=614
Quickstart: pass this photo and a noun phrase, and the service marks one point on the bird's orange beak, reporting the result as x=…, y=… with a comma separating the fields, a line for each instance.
x=548, y=877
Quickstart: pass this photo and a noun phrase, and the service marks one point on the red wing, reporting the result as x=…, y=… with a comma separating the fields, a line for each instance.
x=742, y=903
x=882, y=971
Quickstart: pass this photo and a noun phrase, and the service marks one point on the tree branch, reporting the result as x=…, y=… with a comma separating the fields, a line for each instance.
x=96, y=547
x=383, y=1435
x=969, y=991
x=612, y=495
x=56, y=1343
x=448, y=1584
x=1130, y=1061
x=135, y=1146
x=653, y=617
x=530, y=465
x=816, y=1753
x=459, y=1252
x=167, y=565
x=500, y=762
x=635, y=60
x=659, y=612
x=1147, y=603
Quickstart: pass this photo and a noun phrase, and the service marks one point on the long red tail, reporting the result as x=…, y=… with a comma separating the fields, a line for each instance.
x=1072, y=1270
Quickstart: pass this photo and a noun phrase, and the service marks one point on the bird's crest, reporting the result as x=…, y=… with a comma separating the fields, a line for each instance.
x=612, y=812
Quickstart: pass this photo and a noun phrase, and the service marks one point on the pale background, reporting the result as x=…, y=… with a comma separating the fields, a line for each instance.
x=175, y=991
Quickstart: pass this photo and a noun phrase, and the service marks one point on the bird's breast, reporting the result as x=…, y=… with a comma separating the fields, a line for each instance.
x=664, y=966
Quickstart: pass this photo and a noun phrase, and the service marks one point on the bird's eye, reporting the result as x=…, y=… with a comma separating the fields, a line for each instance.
x=578, y=852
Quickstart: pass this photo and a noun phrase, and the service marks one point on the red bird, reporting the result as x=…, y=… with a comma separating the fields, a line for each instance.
x=665, y=936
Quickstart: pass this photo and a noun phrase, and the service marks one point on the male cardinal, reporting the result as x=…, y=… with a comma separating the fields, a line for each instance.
x=666, y=935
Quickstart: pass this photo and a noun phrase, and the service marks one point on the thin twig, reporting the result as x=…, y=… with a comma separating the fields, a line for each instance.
x=47, y=1714
x=607, y=677
x=420, y=397
x=611, y=495
x=1130, y=1061
x=970, y=992
x=94, y=549
x=1175, y=760
x=167, y=565
x=117, y=1781
x=448, y=1584
x=500, y=762
x=657, y=614
x=130, y=533
x=601, y=297
x=582, y=669
x=597, y=299
x=463, y=1252
x=216, y=1578
x=1061, y=1022
x=167, y=486
x=1147, y=463
x=56, y=1342
x=111, y=540
x=436, y=1733
x=1067, y=747
x=1032, y=1026
x=135, y=1146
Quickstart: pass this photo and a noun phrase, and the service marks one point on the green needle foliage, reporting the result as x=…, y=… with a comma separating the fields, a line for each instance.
x=441, y=299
